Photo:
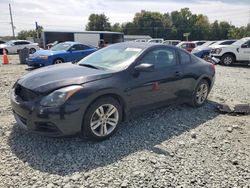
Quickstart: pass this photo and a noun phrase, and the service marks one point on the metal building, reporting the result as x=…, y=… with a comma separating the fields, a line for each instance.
x=86, y=37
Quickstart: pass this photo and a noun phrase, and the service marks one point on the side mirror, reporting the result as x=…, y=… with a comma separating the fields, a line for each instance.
x=144, y=67
x=244, y=46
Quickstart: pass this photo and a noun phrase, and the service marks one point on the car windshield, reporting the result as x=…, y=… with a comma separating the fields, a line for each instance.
x=217, y=43
x=208, y=43
x=10, y=42
x=241, y=41
x=114, y=57
x=61, y=46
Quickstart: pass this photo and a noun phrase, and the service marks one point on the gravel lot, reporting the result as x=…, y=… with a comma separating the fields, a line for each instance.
x=176, y=146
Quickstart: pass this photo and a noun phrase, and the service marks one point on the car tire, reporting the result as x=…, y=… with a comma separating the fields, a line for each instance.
x=200, y=93
x=227, y=59
x=58, y=61
x=32, y=50
x=102, y=119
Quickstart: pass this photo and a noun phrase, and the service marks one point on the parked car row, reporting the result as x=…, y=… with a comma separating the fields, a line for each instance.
x=14, y=46
x=226, y=52
x=173, y=42
x=204, y=50
x=237, y=52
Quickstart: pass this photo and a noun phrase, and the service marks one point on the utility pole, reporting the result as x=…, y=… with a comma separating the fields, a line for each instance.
x=37, y=31
x=11, y=22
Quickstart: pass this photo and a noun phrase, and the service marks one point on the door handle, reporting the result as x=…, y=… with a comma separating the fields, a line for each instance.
x=178, y=73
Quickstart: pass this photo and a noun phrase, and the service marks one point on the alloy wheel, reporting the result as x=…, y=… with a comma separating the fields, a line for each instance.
x=201, y=94
x=104, y=120
x=228, y=60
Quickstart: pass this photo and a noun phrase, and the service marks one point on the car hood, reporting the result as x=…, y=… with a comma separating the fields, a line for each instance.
x=47, y=79
x=46, y=53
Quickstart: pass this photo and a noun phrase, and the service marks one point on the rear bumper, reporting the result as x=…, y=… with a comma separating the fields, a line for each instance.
x=54, y=122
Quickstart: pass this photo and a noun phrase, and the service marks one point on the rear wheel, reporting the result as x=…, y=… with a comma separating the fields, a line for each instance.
x=58, y=61
x=200, y=93
x=102, y=119
x=228, y=59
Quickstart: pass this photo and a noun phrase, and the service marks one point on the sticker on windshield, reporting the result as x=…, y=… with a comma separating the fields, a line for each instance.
x=133, y=49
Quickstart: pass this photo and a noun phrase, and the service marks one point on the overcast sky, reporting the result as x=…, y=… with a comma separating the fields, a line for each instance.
x=73, y=14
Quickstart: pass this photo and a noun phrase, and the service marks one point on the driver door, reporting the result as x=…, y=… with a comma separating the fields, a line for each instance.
x=160, y=85
x=75, y=53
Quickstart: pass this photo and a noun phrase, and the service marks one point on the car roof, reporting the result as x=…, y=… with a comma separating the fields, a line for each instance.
x=142, y=45
x=73, y=42
x=187, y=42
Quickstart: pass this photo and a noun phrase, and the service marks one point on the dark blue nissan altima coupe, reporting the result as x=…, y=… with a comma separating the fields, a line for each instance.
x=93, y=96
x=60, y=53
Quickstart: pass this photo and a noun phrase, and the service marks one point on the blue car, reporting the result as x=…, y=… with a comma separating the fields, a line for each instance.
x=60, y=53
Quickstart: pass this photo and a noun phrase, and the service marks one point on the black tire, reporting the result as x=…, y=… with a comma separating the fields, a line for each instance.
x=87, y=131
x=195, y=102
x=32, y=50
x=58, y=61
x=227, y=59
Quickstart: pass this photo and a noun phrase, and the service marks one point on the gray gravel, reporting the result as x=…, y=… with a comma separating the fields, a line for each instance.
x=176, y=146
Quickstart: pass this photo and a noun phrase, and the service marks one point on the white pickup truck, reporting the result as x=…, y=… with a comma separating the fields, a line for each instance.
x=239, y=51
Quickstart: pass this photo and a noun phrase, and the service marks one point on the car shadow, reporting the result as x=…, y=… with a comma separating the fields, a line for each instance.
x=238, y=65
x=31, y=68
x=65, y=156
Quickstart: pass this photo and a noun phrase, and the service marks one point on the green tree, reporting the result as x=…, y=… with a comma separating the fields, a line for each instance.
x=116, y=27
x=201, y=28
x=150, y=23
x=24, y=34
x=98, y=22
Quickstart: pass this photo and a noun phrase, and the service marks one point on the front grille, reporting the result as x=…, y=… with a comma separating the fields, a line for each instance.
x=24, y=93
x=47, y=128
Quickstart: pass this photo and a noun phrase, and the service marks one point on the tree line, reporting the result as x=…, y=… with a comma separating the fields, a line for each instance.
x=170, y=26
x=163, y=25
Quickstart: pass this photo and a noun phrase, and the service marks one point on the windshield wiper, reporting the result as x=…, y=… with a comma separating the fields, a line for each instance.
x=89, y=65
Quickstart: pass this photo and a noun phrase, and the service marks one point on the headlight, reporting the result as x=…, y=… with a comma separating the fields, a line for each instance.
x=217, y=51
x=60, y=96
x=42, y=57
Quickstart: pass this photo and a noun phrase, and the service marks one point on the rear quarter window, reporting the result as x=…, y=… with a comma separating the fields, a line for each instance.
x=184, y=57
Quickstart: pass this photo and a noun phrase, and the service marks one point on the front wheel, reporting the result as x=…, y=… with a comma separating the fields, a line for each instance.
x=58, y=61
x=227, y=59
x=200, y=93
x=102, y=119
